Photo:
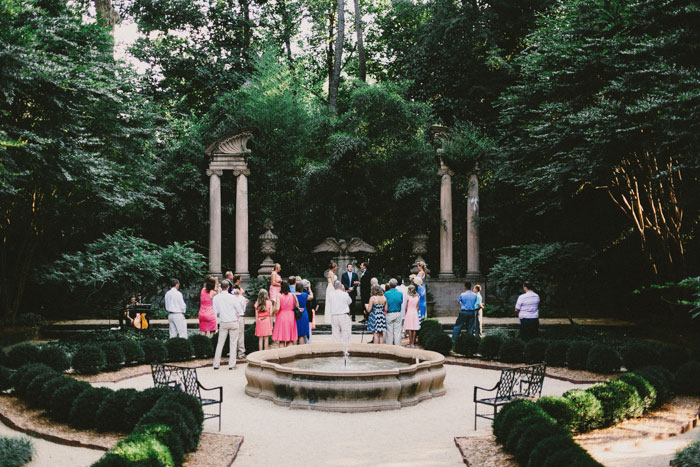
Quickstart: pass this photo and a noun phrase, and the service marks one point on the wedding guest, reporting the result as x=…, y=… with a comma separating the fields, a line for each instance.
x=394, y=300
x=403, y=288
x=303, y=321
x=422, y=305
x=130, y=312
x=376, y=323
x=241, y=303
x=467, y=308
x=311, y=308
x=275, y=281
x=365, y=289
x=292, y=284
x=235, y=281
x=331, y=276
x=207, y=318
x=411, y=323
x=350, y=281
x=479, y=326
x=341, y=325
x=285, y=329
x=263, y=320
x=225, y=308
x=527, y=308
x=422, y=272
x=176, y=308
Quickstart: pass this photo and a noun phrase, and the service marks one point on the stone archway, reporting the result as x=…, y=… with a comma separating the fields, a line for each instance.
x=229, y=153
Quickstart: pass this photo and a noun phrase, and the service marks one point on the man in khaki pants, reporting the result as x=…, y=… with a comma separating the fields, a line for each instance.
x=225, y=308
x=340, y=320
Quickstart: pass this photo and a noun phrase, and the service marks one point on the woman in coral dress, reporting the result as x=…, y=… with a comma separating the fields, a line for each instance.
x=411, y=322
x=263, y=320
x=285, y=330
x=275, y=281
x=207, y=318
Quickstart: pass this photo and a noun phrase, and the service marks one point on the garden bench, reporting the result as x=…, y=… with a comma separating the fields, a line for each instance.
x=523, y=382
x=185, y=379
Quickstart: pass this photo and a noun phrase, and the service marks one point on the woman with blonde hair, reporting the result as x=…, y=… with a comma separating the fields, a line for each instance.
x=376, y=323
x=411, y=322
x=207, y=318
x=275, y=281
x=330, y=289
x=420, y=289
x=263, y=320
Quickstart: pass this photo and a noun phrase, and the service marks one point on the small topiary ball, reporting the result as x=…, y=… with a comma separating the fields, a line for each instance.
x=512, y=351
x=22, y=354
x=508, y=417
x=661, y=379
x=531, y=435
x=467, y=344
x=671, y=356
x=55, y=357
x=25, y=374
x=250, y=340
x=520, y=426
x=577, y=355
x=439, y=342
x=89, y=359
x=50, y=388
x=110, y=414
x=62, y=399
x=688, y=378
x=603, y=359
x=555, y=355
x=171, y=419
x=33, y=392
x=573, y=457
x=143, y=401
x=560, y=409
x=166, y=435
x=490, y=346
x=588, y=411
x=618, y=399
x=547, y=447
x=114, y=356
x=133, y=352
x=202, y=346
x=154, y=351
x=639, y=354
x=190, y=402
x=645, y=390
x=5, y=378
x=137, y=450
x=179, y=349
x=83, y=413
x=427, y=327
x=535, y=350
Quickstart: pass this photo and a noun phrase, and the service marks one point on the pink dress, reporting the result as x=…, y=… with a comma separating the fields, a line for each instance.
x=207, y=318
x=274, y=289
x=285, y=323
x=263, y=327
x=411, y=322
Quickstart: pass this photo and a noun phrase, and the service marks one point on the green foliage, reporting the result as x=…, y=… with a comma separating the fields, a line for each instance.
x=547, y=447
x=89, y=359
x=55, y=357
x=574, y=457
x=142, y=402
x=114, y=355
x=639, y=354
x=577, y=354
x=467, y=344
x=510, y=413
x=137, y=450
x=110, y=414
x=24, y=375
x=535, y=350
x=689, y=456
x=62, y=399
x=189, y=402
x=50, y=388
x=531, y=435
x=646, y=391
x=202, y=345
x=524, y=424
x=250, y=340
x=588, y=410
x=166, y=435
x=179, y=349
x=83, y=413
x=32, y=394
x=688, y=378
x=22, y=354
x=618, y=399
x=672, y=356
x=133, y=352
x=15, y=452
x=555, y=355
x=661, y=379
x=5, y=378
x=512, y=351
x=154, y=351
x=603, y=359
x=490, y=346
x=427, y=327
x=561, y=409
x=439, y=342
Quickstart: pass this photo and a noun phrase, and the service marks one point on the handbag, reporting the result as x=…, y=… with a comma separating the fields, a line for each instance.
x=297, y=310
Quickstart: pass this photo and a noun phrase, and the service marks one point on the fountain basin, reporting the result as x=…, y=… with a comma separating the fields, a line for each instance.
x=384, y=377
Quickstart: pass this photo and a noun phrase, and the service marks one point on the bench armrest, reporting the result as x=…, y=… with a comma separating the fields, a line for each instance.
x=484, y=389
x=219, y=388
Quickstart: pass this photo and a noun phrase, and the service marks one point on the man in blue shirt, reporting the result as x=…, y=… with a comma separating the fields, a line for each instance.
x=394, y=299
x=467, y=307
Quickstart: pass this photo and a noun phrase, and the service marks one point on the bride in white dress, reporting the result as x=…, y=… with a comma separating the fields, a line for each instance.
x=332, y=268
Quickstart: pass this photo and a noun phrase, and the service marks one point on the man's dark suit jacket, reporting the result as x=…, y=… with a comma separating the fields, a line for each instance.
x=365, y=287
x=347, y=281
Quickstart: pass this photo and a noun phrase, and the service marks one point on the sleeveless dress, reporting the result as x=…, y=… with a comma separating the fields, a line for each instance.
x=377, y=318
x=207, y=318
x=263, y=327
x=411, y=322
x=422, y=307
x=285, y=325
x=274, y=289
x=329, y=294
x=303, y=322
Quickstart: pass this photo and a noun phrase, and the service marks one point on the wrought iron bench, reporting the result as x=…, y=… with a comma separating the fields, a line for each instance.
x=185, y=379
x=523, y=382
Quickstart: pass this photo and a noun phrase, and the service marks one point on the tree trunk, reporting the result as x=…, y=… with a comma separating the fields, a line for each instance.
x=362, y=65
x=329, y=50
x=247, y=36
x=334, y=83
x=106, y=13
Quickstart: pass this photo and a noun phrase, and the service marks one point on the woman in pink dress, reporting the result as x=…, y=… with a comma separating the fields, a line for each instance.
x=207, y=318
x=263, y=320
x=411, y=322
x=275, y=281
x=285, y=331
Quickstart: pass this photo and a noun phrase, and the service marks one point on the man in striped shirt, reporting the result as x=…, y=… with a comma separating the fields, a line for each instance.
x=527, y=308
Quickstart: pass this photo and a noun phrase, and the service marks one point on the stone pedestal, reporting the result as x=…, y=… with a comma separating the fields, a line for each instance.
x=215, y=221
x=446, y=268
x=242, y=223
x=268, y=246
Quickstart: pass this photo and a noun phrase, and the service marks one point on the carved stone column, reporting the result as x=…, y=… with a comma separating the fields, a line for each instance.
x=473, y=225
x=446, y=269
x=215, y=221
x=268, y=246
x=242, y=223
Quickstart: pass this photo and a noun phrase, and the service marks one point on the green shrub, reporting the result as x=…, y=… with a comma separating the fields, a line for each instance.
x=618, y=399
x=661, y=379
x=89, y=359
x=110, y=415
x=535, y=350
x=62, y=400
x=114, y=356
x=639, y=354
x=588, y=410
x=25, y=374
x=50, y=388
x=154, y=351
x=645, y=390
x=33, y=392
x=202, y=345
x=688, y=378
x=549, y=446
x=191, y=403
x=179, y=349
x=439, y=342
x=215, y=340
x=688, y=456
x=5, y=378
x=427, y=328
x=250, y=340
x=577, y=355
x=133, y=352
x=166, y=435
x=671, y=356
x=520, y=426
x=22, y=354
x=170, y=419
x=490, y=346
x=142, y=402
x=512, y=351
x=466, y=344
x=560, y=409
x=573, y=457
x=190, y=411
x=3, y=357
x=603, y=359
x=15, y=452
x=83, y=412
x=531, y=435
x=55, y=357
x=511, y=413
x=555, y=355
x=141, y=450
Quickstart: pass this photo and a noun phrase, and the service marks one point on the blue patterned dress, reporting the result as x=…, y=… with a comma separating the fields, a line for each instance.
x=377, y=318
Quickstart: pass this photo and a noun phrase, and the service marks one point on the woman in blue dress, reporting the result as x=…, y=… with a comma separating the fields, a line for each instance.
x=303, y=322
x=376, y=322
x=422, y=307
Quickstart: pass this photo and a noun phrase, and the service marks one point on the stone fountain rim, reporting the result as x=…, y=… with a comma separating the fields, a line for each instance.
x=262, y=358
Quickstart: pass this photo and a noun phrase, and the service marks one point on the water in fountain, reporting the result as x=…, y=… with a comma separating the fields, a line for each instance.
x=342, y=363
x=346, y=354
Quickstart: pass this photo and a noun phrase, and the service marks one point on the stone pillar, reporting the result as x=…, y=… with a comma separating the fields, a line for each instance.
x=214, y=221
x=446, y=174
x=242, y=223
x=473, y=226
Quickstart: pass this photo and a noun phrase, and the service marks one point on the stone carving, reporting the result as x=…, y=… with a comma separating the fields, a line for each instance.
x=343, y=251
x=420, y=247
x=230, y=144
x=268, y=247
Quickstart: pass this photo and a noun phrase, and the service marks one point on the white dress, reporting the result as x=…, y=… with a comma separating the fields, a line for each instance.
x=329, y=294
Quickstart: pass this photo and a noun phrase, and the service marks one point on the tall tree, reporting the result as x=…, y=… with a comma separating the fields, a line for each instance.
x=334, y=82
x=361, y=54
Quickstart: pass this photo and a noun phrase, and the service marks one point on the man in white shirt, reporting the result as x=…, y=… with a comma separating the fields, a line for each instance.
x=404, y=291
x=340, y=320
x=527, y=308
x=175, y=306
x=226, y=308
x=241, y=303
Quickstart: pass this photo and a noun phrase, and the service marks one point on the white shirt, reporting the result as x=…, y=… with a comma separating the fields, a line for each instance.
x=225, y=307
x=174, y=303
x=404, y=291
x=340, y=302
x=239, y=304
x=528, y=304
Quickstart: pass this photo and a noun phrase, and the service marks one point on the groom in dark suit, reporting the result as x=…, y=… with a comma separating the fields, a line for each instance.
x=365, y=287
x=350, y=281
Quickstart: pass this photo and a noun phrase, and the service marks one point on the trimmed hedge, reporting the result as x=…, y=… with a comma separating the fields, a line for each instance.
x=645, y=390
x=22, y=354
x=661, y=379
x=110, y=414
x=114, y=356
x=50, y=388
x=490, y=346
x=687, y=378
x=135, y=450
x=639, y=354
x=577, y=355
x=618, y=399
x=142, y=402
x=531, y=436
x=250, y=340
x=179, y=349
x=32, y=394
x=588, y=410
x=166, y=435
x=603, y=359
x=83, y=412
x=62, y=400
x=535, y=350
x=133, y=352
x=5, y=378
x=560, y=409
x=521, y=425
x=555, y=355
x=202, y=346
x=55, y=357
x=439, y=342
x=549, y=446
x=25, y=374
x=428, y=327
x=15, y=452
x=510, y=413
x=512, y=351
x=466, y=344
x=154, y=351
x=574, y=457
x=671, y=356
x=89, y=359
x=688, y=456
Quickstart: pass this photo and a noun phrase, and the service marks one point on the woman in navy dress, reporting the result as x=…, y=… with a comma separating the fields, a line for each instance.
x=376, y=323
x=303, y=322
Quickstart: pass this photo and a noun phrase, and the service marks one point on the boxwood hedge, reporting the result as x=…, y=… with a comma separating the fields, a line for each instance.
x=618, y=399
x=577, y=355
x=603, y=359
x=83, y=413
x=89, y=359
